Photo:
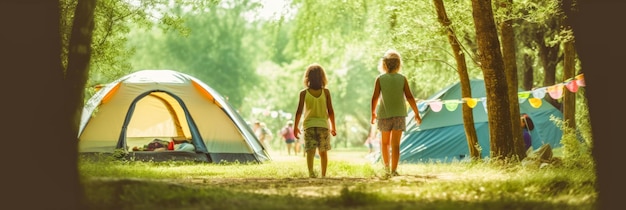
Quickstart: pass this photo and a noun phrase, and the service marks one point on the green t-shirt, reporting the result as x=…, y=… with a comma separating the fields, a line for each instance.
x=392, y=103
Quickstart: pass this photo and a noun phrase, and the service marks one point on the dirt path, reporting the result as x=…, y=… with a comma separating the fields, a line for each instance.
x=356, y=157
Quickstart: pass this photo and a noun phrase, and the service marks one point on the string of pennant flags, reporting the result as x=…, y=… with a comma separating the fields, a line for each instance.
x=555, y=92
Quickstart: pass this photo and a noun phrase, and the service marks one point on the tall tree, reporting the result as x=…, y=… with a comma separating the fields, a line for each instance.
x=569, y=71
x=599, y=54
x=48, y=108
x=492, y=65
x=507, y=34
x=527, y=72
x=549, y=53
x=461, y=68
x=78, y=59
x=76, y=73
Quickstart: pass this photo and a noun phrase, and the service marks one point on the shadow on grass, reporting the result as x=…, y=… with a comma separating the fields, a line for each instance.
x=286, y=193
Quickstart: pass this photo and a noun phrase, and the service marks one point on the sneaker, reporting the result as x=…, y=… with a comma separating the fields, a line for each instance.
x=395, y=173
x=312, y=175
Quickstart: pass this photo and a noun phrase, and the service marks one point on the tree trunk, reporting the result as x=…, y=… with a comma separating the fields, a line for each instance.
x=516, y=145
x=569, y=98
x=44, y=173
x=78, y=60
x=466, y=92
x=527, y=40
x=569, y=71
x=492, y=65
x=527, y=72
x=549, y=56
x=599, y=45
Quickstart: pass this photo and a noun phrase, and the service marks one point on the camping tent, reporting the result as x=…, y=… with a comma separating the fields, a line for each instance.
x=441, y=136
x=146, y=105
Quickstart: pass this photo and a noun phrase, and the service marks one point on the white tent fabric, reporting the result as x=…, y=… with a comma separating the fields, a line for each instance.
x=166, y=104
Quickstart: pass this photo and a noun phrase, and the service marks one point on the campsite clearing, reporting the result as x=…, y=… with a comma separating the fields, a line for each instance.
x=352, y=183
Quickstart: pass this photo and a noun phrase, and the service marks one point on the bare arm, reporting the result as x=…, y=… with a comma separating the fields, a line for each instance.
x=296, y=123
x=375, y=97
x=331, y=113
x=409, y=98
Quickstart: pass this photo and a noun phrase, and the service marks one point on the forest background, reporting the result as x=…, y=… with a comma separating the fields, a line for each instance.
x=254, y=52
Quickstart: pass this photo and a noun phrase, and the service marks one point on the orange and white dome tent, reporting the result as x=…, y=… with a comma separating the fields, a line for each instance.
x=167, y=105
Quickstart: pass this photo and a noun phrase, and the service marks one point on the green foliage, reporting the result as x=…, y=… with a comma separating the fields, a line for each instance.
x=583, y=122
x=109, y=35
x=577, y=143
x=218, y=49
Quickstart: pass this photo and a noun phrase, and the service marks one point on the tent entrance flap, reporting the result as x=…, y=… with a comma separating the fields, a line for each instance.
x=158, y=114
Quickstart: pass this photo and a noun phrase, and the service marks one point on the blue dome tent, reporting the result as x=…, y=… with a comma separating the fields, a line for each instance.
x=441, y=136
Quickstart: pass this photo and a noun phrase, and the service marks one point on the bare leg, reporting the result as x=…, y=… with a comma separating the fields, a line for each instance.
x=296, y=147
x=384, y=148
x=324, y=161
x=395, y=149
x=310, y=154
x=288, y=149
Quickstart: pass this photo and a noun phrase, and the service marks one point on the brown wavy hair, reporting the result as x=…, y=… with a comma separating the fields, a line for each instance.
x=315, y=77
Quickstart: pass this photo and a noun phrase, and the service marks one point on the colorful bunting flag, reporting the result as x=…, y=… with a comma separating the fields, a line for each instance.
x=572, y=86
x=451, y=105
x=535, y=102
x=523, y=95
x=539, y=92
x=555, y=91
x=471, y=102
x=580, y=79
x=435, y=105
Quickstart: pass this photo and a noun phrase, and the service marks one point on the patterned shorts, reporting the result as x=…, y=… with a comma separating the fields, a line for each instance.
x=317, y=138
x=394, y=123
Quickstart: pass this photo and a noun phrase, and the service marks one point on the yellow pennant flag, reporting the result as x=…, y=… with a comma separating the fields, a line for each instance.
x=471, y=102
x=535, y=102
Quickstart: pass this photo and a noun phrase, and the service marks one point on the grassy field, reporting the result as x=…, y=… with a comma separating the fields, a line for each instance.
x=352, y=182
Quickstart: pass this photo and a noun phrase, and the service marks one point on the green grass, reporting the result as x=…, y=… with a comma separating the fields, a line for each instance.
x=352, y=183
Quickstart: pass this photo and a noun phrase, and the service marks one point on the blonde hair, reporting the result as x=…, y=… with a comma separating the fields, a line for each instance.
x=391, y=62
x=315, y=77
